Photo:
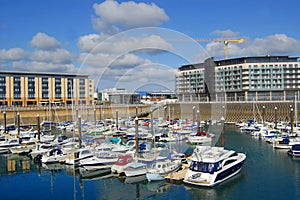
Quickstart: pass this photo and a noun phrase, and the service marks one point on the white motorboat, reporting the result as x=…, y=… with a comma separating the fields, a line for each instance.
x=269, y=135
x=135, y=169
x=285, y=142
x=40, y=149
x=171, y=137
x=9, y=142
x=74, y=157
x=294, y=151
x=200, y=138
x=22, y=149
x=161, y=168
x=213, y=165
x=122, y=162
x=102, y=160
x=123, y=148
x=53, y=156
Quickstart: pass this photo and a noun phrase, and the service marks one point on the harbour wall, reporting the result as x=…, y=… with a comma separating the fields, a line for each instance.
x=232, y=112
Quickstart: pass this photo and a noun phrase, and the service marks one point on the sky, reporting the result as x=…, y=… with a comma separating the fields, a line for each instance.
x=139, y=45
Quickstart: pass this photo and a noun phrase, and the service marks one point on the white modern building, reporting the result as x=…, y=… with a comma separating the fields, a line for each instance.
x=119, y=96
x=259, y=78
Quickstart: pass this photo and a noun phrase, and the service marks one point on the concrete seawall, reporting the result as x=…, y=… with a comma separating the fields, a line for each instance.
x=232, y=111
x=237, y=111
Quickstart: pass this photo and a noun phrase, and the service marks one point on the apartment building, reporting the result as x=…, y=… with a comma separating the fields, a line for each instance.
x=36, y=88
x=259, y=78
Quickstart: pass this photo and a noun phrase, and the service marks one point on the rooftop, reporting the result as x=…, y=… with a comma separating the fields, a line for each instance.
x=57, y=74
x=240, y=60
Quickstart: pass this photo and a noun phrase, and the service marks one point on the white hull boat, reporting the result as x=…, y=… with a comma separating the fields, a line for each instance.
x=213, y=165
x=162, y=168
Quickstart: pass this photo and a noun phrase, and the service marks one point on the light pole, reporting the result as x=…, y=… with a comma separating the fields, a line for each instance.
x=117, y=120
x=194, y=114
x=38, y=127
x=95, y=120
x=4, y=116
x=275, y=117
x=292, y=121
x=136, y=120
x=264, y=115
x=198, y=121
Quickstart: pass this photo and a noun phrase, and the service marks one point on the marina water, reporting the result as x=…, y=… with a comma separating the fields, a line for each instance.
x=266, y=174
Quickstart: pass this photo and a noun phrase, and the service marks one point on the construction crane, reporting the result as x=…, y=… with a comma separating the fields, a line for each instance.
x=226, y=42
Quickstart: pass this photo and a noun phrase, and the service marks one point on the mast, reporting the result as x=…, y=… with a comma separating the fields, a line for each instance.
x=296, y=109
x=223, y=128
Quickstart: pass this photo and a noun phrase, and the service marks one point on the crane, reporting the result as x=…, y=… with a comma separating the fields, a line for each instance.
x=226, y=42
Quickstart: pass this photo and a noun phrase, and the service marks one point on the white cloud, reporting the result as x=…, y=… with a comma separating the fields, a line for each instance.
x=112, y=16
x=44, y=42
x=89, y=42
x=225, y=33
x=43, y=67
x=147, y=74
x=12, y=54
x=120, y=43
x=103, y=61
x=57, y=56
x=277, y=44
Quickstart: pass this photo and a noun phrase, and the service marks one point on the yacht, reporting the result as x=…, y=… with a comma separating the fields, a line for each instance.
x=294, y=150
x=200, y=138
x=213, y=165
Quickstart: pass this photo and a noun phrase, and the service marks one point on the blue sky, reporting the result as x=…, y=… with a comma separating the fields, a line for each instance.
x=112, y=42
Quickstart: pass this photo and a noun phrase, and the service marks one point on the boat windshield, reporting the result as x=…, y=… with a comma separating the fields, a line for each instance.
x=205, y=167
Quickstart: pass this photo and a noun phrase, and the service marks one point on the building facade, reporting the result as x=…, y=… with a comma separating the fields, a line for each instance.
x=260, y=78
x=120, y=96
x=28, y=89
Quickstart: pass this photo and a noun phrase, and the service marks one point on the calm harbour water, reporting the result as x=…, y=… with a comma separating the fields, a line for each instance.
x=266, y=174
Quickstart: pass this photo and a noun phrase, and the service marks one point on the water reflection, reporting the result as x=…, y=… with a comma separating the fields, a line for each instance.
x=264, y=171
x=133, y=179
x=10, y=164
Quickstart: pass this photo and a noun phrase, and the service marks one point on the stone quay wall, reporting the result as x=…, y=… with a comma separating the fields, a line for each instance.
x=232, y=112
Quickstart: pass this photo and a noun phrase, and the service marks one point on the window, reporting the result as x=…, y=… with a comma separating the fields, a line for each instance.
x=17, y=87
x=57, y=88
x=31, y=87
x=45, y=88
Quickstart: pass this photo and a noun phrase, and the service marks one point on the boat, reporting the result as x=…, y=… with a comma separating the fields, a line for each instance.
x=22, y=149
x=284, y=142
x=9, y=142
x=101, y=160
x=200, y=138
x=213, y=165
x=281, y=143
x=161, y=168
x=171, y=137
x=294, y=150
x=122, y=162
x=73, y=157
x=135, y=169
x=41, y=149
x=177, y=176
x=55, y=155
